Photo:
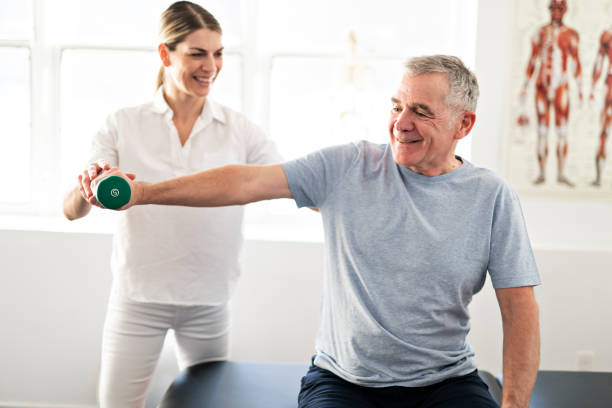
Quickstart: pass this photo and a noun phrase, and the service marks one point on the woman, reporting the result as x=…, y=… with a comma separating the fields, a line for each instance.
x=173, y=268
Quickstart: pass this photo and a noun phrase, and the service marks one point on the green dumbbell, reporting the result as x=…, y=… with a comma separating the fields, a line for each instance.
x=113, y=192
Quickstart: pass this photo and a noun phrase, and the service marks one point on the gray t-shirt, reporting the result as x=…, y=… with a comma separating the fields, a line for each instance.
x=405, y=253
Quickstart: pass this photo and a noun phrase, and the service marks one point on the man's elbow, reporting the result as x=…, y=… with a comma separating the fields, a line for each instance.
x=68, y=210
x=72, y=214
x=74, y=210
x=69, y=216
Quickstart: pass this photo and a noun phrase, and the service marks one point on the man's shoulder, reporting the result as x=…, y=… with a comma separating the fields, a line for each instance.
x=370, y=148
x=372, y=155
x=361, y=154
x=486, y=178
x=363, y=149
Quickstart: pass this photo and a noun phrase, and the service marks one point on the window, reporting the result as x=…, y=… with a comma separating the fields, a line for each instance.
x=16, y=20
x=336, y=64
x=94, y=83
x=312, y=74
x=125, y=23
x=319, y=101
x=15, y=102
x=15, y=135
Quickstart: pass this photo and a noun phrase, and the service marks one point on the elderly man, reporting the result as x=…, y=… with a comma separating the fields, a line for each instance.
x=410, y=232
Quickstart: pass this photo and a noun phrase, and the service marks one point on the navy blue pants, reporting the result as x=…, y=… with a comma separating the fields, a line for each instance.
x=323, y=389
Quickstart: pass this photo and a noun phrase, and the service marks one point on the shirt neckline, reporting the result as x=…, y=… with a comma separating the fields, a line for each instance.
x=210, y=109
x=427, y=179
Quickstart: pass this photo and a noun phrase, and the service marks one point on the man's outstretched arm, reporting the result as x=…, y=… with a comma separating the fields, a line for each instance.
x=227, y=185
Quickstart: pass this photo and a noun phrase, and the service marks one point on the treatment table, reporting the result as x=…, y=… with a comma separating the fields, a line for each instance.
x=241, y=384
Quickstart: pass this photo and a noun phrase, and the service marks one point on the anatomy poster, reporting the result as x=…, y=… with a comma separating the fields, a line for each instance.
x=560, y=116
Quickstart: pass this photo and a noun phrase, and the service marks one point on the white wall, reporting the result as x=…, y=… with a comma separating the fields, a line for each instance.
x=572, y=238
x=554, y=224
x=575, y=313
x=54, y=289
x=53, y=286
x=52, y=301
x=53, y=296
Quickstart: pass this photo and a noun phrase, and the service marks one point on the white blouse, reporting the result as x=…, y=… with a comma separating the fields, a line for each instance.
x=170, y=254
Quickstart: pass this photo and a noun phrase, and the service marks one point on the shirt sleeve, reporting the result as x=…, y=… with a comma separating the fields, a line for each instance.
x=261, y=150
x=511, y=260
x=104, y=143
x=313, y=178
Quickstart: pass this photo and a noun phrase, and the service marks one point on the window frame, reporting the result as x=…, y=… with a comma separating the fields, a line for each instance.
x=17, y=207
x=45, y=109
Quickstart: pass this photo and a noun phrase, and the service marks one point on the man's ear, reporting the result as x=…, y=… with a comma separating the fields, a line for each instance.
x=466, y=123
x=162, y=50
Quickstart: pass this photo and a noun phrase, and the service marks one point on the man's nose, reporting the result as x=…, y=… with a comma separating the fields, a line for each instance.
x=405, y=121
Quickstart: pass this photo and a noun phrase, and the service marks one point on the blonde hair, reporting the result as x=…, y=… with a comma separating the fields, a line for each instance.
x=178, y=21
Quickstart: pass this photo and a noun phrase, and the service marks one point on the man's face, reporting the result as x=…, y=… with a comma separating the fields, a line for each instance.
x=423, y=130
x=557, y=9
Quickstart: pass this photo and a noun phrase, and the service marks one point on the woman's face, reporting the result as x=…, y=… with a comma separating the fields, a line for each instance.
x=196, y=62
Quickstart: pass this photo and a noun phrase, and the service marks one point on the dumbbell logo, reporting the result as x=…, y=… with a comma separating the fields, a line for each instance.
x=113, y=192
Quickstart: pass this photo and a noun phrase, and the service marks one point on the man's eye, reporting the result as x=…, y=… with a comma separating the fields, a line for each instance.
x=199, y=54
x=396, y=108
x=218, y=54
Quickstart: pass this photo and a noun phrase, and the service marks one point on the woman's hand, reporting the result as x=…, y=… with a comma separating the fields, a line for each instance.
x=114, y=171
x=87, y=176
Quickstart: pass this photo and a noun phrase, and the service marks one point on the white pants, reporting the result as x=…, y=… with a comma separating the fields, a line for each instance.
x=133, y=338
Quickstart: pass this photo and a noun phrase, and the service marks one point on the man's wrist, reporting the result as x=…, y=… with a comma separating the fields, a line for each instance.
x=506, y=404
x=141, y=192
x=512, y=399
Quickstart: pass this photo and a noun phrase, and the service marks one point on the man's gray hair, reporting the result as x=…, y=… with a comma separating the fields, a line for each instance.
x=463, y=92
